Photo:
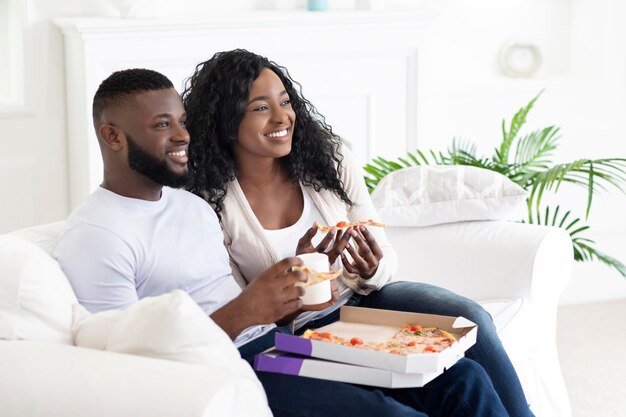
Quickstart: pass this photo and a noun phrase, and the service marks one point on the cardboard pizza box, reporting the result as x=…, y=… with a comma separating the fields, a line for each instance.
x=376, y=325
x=290, y=364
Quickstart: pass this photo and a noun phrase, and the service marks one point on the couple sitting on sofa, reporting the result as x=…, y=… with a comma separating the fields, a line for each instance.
x=269, y=167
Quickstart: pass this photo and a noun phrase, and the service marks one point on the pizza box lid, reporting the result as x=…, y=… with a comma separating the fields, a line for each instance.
x=291, y=364
x=377, y=325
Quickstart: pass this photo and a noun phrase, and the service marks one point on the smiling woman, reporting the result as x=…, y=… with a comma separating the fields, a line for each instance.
x=268, y=121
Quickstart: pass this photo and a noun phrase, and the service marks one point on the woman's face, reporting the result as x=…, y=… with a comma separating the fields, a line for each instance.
x=268, y=122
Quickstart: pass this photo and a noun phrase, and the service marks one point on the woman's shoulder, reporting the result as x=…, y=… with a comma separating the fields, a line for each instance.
x=233, y=206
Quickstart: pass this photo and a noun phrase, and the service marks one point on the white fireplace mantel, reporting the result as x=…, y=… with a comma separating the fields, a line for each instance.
x=361, y=69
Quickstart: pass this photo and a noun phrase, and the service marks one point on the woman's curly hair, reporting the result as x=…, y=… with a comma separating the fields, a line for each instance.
x=215, y=98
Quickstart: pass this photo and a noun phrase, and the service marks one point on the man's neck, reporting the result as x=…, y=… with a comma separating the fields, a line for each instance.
x=140, y=188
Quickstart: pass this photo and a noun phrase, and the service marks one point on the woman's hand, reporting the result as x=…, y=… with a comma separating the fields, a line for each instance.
x=339, y=237
x=368, y=255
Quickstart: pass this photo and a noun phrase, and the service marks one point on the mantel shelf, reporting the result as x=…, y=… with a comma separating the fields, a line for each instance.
x=270, y=20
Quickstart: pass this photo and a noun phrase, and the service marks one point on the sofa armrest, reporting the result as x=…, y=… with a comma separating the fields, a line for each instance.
x=45, y=379
x=486, y=259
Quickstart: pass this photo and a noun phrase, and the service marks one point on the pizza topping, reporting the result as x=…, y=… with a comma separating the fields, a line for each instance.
x=356, y=341
x=409, y=339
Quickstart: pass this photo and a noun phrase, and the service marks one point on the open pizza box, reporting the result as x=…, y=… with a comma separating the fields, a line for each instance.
x=377, y=325
x=291, y=364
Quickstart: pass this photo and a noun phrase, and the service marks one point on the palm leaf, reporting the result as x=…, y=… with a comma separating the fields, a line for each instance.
x=533, y=150
x=588, y=253
x=582, y=246
x=462, y=145
x=591, y=174
x=379, y=167
x=518, y=120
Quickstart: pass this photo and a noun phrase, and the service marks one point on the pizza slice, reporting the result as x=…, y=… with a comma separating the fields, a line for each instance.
x=315, y=277
x=345, y=225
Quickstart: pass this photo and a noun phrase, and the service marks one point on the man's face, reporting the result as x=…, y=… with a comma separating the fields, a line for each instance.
x=156, y=136
x=154, y=168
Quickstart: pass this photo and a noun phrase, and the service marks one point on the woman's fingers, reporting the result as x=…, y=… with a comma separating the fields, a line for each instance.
x=323, y=245
x=304, y=244
x=364, y=251
x=341, y=241
x=376, y=250
x=359, y=261
x=347, y=265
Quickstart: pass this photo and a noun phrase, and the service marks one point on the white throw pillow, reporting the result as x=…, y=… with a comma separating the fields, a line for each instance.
x=436, y=194
x=170, y=326
x=35, y=296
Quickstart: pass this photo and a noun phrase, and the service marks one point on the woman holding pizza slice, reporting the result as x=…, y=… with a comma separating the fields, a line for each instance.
x=273, y=171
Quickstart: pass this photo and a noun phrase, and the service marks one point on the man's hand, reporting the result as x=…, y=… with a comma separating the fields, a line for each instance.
x=270, y=297
x=274, y=294
x=334, y=288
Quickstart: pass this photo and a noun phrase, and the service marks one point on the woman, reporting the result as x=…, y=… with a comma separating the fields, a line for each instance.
x=270, y=166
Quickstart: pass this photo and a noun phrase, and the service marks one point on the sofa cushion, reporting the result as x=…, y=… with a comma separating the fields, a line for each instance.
x=430, y=195
x=170, y=326
x=35, y=297
x=45, y=236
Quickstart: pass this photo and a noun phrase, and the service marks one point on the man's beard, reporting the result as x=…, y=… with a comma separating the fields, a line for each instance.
x=154, y=168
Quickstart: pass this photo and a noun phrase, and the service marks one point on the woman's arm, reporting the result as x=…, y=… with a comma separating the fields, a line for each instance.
x=363, y=209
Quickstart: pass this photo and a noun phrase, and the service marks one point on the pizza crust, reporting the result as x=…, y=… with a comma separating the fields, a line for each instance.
x=314, y=277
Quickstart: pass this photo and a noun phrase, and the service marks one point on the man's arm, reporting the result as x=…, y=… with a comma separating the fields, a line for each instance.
x=99, y=266
x=270, y=297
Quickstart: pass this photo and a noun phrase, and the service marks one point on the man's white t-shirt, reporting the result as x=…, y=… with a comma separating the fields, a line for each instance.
x=116, y=250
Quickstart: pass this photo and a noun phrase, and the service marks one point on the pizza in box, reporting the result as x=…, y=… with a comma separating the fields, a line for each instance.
x=409, y=339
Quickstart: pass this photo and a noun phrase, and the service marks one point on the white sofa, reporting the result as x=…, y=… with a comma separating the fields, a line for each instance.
x=516, y=270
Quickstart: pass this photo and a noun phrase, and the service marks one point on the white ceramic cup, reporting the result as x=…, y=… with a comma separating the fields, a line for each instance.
x=316, y=261
x=320, y=292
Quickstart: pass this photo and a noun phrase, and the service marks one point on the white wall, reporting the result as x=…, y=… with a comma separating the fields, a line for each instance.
x=583, y=43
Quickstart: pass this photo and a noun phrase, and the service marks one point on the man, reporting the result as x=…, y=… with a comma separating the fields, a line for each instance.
x=134, y=238
x=137, y=236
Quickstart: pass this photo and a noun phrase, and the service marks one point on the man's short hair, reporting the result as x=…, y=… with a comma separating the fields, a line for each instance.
x=122, y=84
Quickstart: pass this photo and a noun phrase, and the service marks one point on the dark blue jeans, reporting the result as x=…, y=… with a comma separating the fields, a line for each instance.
x=488, y=350
x=464, y=390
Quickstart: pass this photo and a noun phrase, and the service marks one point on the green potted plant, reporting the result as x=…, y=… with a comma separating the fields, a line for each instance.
x=526, y=160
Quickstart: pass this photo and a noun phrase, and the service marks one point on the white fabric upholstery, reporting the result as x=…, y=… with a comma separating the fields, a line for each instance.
x=171, y=326
x=57, y=380
x=517, y=270
x=435, y=194
x=35, y=297
x=44, y=379
x=524, y=267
